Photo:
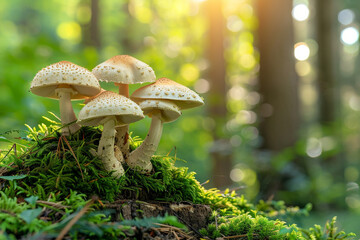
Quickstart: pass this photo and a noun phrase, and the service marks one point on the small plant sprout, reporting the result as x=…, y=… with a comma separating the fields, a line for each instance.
x=160, y=111
x=162, y=101
x=124, y=70
x=109, y=109
x=65, y=81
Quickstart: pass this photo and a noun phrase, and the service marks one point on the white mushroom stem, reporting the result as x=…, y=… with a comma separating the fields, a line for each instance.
x=140, y=158
x=122, y=141
x=67, y=114
x=122, y=133
x=106, y=148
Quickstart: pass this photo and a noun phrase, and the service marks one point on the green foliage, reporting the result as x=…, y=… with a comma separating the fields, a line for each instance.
x=328, y=233
x=93, y=225
x=22, y=219
x=278, y=210
x=19, y=218
x=249, y=227
x=245, y=226
x=225, y=203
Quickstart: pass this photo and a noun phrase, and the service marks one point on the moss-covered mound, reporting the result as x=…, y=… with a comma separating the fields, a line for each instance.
x=55, y=187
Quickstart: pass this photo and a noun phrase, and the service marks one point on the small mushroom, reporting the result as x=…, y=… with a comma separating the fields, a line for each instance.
x=65, y=81
x=124, y=70
x=109, y=109
x=163, y=101
x=160, y=111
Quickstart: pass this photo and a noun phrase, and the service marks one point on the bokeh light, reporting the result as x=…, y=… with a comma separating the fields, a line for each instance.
x=189, y=72
x=303, y=68
x=346, y=16
x=349, y=35
x=234, y=23
x=301, y=51
x=69, y=31
x=202, y=86
x=313, y=147
x=236, y=175
x=300, y=12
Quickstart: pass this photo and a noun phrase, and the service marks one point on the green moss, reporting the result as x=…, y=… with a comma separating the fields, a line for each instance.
x=58, y=164
x=62, y=170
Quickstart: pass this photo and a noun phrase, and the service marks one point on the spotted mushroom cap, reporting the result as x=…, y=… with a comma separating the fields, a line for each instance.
x=168, y=111
x=87, y=100
x=109, y=104
x=124, y=69
x=167, y=89
x=65, y=74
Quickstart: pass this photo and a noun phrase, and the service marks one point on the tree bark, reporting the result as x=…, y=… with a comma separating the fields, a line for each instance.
x=221, y=158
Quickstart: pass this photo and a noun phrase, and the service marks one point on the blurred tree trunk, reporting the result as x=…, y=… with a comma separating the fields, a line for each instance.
x=222, y=162
x=326, y=38
x=328, y=87
x=278, y=84
x=128, y=43
x=91, y=30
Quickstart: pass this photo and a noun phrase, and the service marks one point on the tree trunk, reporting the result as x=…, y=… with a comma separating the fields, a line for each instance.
x=277, y=79
x=328, y=87
x=91, y=30
x=222, y=161
x=326, y=75
x=278, y=84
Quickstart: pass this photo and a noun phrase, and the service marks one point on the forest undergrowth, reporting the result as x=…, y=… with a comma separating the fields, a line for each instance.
x=53, y=187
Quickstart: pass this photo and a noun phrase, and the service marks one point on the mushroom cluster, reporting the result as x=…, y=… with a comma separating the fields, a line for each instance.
x=162, y=101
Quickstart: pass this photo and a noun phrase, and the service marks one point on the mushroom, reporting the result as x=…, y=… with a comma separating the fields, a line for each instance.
x=124, y=70
x=167, y=89
x=163, y=101
x=109, y=109
x=65, y=81
x=160, y=111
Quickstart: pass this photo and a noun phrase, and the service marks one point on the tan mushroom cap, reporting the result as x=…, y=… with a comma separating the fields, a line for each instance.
x=65, y=74
x=109, y=104
x=124, y=69
x=167, y=89
x=168, y=111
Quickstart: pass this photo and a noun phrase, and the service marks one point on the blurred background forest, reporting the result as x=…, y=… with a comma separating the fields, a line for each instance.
x=279, y=79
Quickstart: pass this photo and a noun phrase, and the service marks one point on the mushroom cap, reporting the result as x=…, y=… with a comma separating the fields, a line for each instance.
x=67, y=74
x=167, y=89
x=168, y=111
x=109, y=104
x=124, y=69
x=87, y=100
